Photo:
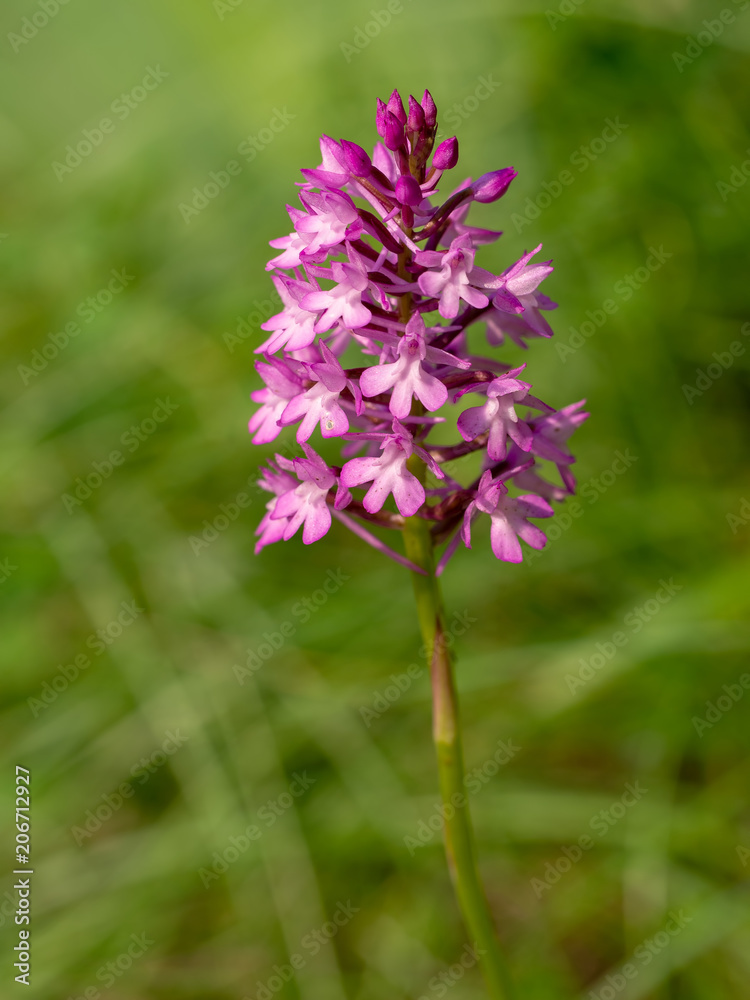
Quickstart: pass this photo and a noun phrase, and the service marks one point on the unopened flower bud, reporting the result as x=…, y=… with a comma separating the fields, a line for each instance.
x=430, y=110
x=408, y=192
x=356, y=159
x=415, y=121
x=380, y=118
x=446, y=155
x=493, y=185
x=396, y=107
x=394, y=132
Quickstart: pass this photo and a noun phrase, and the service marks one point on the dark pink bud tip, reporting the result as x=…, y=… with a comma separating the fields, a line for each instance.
x=356, y=159
x=415, y=121
x=380, y=118
x=445, y=156
x=430, y=110
x=396, y=107
x=394, y=132
x=493, y=185
x=408, y=191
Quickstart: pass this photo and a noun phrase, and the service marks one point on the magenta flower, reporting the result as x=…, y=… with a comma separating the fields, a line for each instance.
x=333, y=171
x=282, y=385
x=277, y=479
x=372, y=252
x=294, y=327
x=306, y=504
x=519, y=283
x=515, y=327
x=553, y=430
x=344, y=302
x=406, y=376
x=388, y=474
x=456, y=279
x=333, y=217
x=320, y=403
x=293, y=245
x=509, y=516
x=498, y=415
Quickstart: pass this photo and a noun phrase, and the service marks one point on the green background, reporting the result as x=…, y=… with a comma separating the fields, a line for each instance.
x=170, y=336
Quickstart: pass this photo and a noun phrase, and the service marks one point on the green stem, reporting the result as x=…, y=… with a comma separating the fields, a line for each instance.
x=459, y=838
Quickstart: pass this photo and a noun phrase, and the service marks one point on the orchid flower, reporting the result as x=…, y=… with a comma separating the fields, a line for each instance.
x=350, y=357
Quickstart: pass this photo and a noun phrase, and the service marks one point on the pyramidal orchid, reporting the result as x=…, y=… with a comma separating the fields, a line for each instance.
x=379, y=286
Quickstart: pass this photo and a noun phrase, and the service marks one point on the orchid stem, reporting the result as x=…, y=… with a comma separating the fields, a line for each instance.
x=459, y=837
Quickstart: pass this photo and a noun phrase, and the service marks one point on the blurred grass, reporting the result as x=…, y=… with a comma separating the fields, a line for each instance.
x=165, y=337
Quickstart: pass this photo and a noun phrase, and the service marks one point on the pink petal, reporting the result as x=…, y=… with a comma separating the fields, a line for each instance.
x=429, y=390
x=506, y=302
x=505, y=545
x=472, y=422
x=400, y=404
x=521, y=433
x=532, y=535
x=475, y=298
x=317, y=523
x=484, y=279
x=360, y=470
x=295, y=409
x=530, y=505
x=379, y=378
x=264, y=422
x=497, y=441
x=429, y=258
x=466, y=526
x=308, y=425
x=315, y=301
x=408, y=493
x=432, y=283
x=376, y=495
x=334, y=421
x=529, y=278
x=449, y=301
x=355, y=315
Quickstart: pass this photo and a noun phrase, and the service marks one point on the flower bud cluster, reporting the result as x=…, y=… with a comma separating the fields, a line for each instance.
x=379, y=288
